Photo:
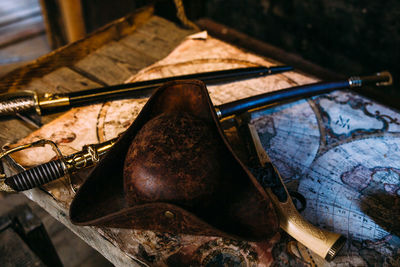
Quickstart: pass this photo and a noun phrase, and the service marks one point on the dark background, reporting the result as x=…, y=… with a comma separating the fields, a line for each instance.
x=346, y=36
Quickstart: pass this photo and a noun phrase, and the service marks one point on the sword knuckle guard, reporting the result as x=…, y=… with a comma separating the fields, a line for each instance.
x=36, y=176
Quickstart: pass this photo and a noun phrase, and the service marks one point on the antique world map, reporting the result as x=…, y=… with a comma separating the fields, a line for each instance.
x=340, y=151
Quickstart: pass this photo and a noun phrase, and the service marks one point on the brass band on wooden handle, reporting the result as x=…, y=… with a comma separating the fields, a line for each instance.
x=323, y=243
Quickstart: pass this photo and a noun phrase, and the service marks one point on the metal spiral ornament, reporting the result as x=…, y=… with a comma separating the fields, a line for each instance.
x=38, y=175
x=16, y=105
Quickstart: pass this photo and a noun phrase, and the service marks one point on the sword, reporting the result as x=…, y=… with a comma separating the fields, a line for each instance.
x=52, y=170
x=31, y=102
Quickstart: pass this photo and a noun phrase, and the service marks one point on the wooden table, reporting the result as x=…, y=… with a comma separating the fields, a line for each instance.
x=128, y=44
x=79, y=66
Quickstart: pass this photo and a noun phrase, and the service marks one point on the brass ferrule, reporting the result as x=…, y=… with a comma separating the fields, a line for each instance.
x=51, y=101
x=36, y=100
x=218, y=112
x=355, y=82
x=88, y=156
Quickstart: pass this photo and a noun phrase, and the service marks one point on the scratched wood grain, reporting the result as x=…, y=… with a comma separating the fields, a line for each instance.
x=70, y=54
x=118, y=61
x=15, y=129
x=106, y=57
x=109, y=56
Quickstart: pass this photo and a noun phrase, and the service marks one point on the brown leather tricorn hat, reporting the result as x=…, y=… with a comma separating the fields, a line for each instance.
x=173, y=171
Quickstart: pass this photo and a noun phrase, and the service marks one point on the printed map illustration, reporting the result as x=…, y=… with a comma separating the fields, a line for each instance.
x=340, y=151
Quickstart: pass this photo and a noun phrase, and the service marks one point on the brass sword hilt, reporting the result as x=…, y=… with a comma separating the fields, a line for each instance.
x=28, y=101
x=52, y=170
x=31, y=102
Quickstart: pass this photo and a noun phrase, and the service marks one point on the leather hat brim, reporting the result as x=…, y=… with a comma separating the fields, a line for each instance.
x=246, y=211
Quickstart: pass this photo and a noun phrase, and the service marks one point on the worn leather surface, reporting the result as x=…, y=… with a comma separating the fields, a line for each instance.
x=173, y=171
x=162, y=163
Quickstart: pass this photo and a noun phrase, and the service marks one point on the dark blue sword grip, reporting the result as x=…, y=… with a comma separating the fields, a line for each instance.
x=37, y=175
x=291, y=93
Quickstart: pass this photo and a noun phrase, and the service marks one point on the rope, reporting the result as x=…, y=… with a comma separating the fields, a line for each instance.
x=180, y=13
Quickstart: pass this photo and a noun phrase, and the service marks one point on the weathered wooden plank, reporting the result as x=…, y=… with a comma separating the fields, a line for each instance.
x=88, y=234
x=66, y=80
x=38, y=85
x=13, y=130
x=165, y=30
x=157, y=38
x=61, y=80
x=68, y=55
x=116, y=62
x=147, y=44
x=125, y=55
x=105, y=69
x=112, y=64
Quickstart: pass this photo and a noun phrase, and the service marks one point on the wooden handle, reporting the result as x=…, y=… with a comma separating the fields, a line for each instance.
x=323, y=243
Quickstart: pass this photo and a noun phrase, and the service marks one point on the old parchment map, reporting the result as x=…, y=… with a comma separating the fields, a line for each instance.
x=341, y=151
